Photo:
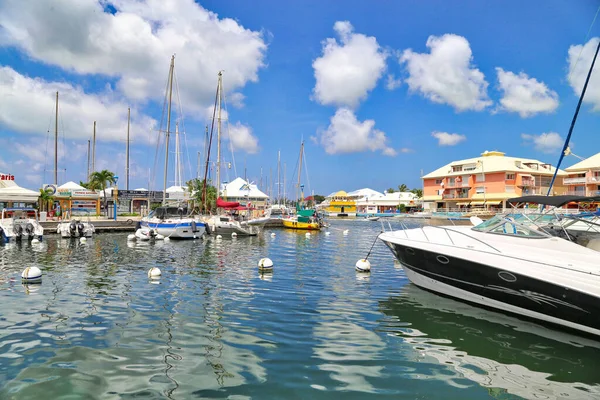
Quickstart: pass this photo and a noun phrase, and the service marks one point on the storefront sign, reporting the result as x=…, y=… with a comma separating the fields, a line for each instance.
x=141, y=194
x=7, y=177
x=76, y=193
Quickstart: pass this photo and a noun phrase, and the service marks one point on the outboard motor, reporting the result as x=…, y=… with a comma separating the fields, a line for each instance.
x=29, y=230
x=18, y=231
x=80, y=228
x=73, y=228
x=3, y=237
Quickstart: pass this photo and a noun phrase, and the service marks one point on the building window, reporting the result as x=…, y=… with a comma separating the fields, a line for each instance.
x=470, y=167
x=480, y=178
x=480, y=189
x=510, y=177
x=438, y=181
x=457, y=168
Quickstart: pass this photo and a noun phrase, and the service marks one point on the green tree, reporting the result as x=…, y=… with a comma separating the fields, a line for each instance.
x=391, y=190
x=84, y=184
x=195, y=188
x=402, y=188
x=45, y=199
x=100, y=180
x=319, y=198
x=417, y=192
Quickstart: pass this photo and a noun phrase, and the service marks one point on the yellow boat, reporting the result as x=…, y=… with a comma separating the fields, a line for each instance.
x=293, y=223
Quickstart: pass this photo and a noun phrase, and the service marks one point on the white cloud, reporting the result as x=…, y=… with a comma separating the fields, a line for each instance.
x=549, y=142
x=347, y=71
x=241, y=138
x=134, y=45
x=448, y=139
x=525, y=95
x=28, y=106
x=579, y=67
x=445, y=75
x=346, y=134
x=392, y=83
x=406, y=150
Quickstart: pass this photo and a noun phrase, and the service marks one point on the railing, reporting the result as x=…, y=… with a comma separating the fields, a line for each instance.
x=527, y=182
x=594, y=179
x=572, y=181
x=576, y=193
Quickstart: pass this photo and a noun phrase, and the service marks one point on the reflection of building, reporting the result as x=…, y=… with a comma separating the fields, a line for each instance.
x=77, y=200
x=488, y=181
x=12, y=195
x=339, y=204
x=584, y=177
x=244, y=193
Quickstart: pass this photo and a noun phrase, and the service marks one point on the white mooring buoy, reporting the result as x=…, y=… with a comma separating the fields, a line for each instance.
x=167, y=239
x=345, y=232
x=233, y=234
x=273, y=234
x=159, y=237
x=327, y=233
x=307, y=234
x=34, y=241
x=363, y=265
x=265, y=265
x=154, y=273
x=82, y=239
x=219, y=237
x=131, y=236
x=31, y=275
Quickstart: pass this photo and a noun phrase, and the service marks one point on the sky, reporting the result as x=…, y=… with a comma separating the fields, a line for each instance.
x=379, y=92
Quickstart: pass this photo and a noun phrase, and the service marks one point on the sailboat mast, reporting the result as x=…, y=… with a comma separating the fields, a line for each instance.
x=127, y=151
x=219, y=94
x=279, y=177
x=168, y=126
x=284, y=198
x=94, y=149
x=56, y=143
x=88, y=161
x=177, y=172
x=300, y=171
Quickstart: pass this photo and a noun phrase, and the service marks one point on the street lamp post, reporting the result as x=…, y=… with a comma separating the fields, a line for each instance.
x=116, y=196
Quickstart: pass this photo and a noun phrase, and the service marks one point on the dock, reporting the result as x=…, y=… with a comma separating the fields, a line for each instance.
x=122, y=224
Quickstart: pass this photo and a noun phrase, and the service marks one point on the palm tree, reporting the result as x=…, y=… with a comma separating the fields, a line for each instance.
x=402, y=188
x=100, y=181
x=45, y=199
x=418, y=192
x=195, y=187
x=390, y=190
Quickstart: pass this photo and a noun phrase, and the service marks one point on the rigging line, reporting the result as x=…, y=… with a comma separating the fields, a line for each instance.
x=158, y=141
x=185, y=145
x=212, y=128
x=562, y=153
x=306, y=170
x=229, y=134
x=584, y=41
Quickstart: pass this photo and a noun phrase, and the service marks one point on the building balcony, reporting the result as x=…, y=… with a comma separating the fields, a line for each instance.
x=575, y=181
x=577, y=193
x=594, y=179
x=527, y=183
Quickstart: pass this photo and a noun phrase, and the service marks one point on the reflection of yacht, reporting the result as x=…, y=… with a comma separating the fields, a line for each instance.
x=494, y=350
x=505, y=264
x=20, y=223
x=173, y=222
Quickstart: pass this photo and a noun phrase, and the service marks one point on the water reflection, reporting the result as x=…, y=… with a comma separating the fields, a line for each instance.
x=495, y=351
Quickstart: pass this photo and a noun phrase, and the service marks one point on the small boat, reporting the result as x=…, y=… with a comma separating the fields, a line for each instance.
x=76, y=229
x=173, y=222
x=371, y=218
x=304, y=219
x=20, y=223
x=508, y=264
x=227, y=225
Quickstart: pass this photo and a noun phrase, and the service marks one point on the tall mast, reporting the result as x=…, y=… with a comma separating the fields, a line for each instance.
x=94, y=149
x=278, y=177
x=299, y=171
x=219, y=95
x=88, y=162
x=56, y=143
x=284, y=199
x=177, y=160
x=168, y=126
x=127, y=151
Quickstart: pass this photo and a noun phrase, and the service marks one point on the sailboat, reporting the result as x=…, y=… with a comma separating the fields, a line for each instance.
x=224, y=223
x=170, y=220
x=305, y=219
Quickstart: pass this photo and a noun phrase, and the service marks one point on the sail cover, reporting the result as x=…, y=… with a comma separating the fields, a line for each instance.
x=226, y=204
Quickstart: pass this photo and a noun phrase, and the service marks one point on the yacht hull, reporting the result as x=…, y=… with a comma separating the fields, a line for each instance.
x=294, y=224
x=476, y=280
x=177, y=230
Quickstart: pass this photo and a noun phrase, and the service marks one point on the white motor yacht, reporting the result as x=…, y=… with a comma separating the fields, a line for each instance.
x=76, y=228
x=173, y=222
x=20, y=223
x=507, y=265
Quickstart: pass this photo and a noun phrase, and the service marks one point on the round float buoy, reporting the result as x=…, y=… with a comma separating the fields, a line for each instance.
x=167, y=239
x=273, y=234
x=265, y=264
x=363, y=265
x=31, y=275
x=82, y=239
x=307, y=234
x=34, y=240
x=233, y=234
x=131, y=236
x=346, y=232
x=159, y=237
x=327, y=233
x=154, y=273
x=219, y=237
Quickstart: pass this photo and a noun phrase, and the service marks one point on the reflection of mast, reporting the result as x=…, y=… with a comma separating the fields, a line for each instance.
x=168, y=126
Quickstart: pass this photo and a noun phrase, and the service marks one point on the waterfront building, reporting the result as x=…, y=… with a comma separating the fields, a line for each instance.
x=387, y=204
x=75, y=199
x=339, y=204
x=245, y=193
x=583, y=178
x=488, y=181
x=13, y=195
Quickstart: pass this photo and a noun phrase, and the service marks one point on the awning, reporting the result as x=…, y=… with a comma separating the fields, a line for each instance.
x=463, y=203
x=477, y=203
x=493, y=203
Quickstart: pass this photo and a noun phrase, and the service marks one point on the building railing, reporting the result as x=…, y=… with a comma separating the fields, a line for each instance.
x=594, y=179
x=573, y=181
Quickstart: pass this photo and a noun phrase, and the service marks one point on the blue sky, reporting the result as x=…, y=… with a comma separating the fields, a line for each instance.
x=378, y=91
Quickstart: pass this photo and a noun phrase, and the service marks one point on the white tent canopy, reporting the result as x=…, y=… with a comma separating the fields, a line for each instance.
x=10, y=191
x=71, y=186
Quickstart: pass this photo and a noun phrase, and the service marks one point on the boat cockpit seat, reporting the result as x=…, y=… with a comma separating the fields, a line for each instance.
x=509, y=228
x=594, y=244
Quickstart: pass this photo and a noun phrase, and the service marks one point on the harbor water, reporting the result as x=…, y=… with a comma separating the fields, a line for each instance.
x=213, y=327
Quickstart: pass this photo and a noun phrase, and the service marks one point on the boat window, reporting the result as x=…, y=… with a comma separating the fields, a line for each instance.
x=508, y=226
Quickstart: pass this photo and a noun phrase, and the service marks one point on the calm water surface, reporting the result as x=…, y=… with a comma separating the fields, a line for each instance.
x=212, y=327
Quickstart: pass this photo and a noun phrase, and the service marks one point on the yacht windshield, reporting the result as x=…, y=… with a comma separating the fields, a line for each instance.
x=506, y=225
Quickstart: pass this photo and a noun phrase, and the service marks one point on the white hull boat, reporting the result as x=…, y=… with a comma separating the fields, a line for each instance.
x=173, y=222
x=20, y=224
x=505, y=265
x=75, y=229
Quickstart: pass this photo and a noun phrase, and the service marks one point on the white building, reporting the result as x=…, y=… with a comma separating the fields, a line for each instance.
x=13, y=195
x=244, y=192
